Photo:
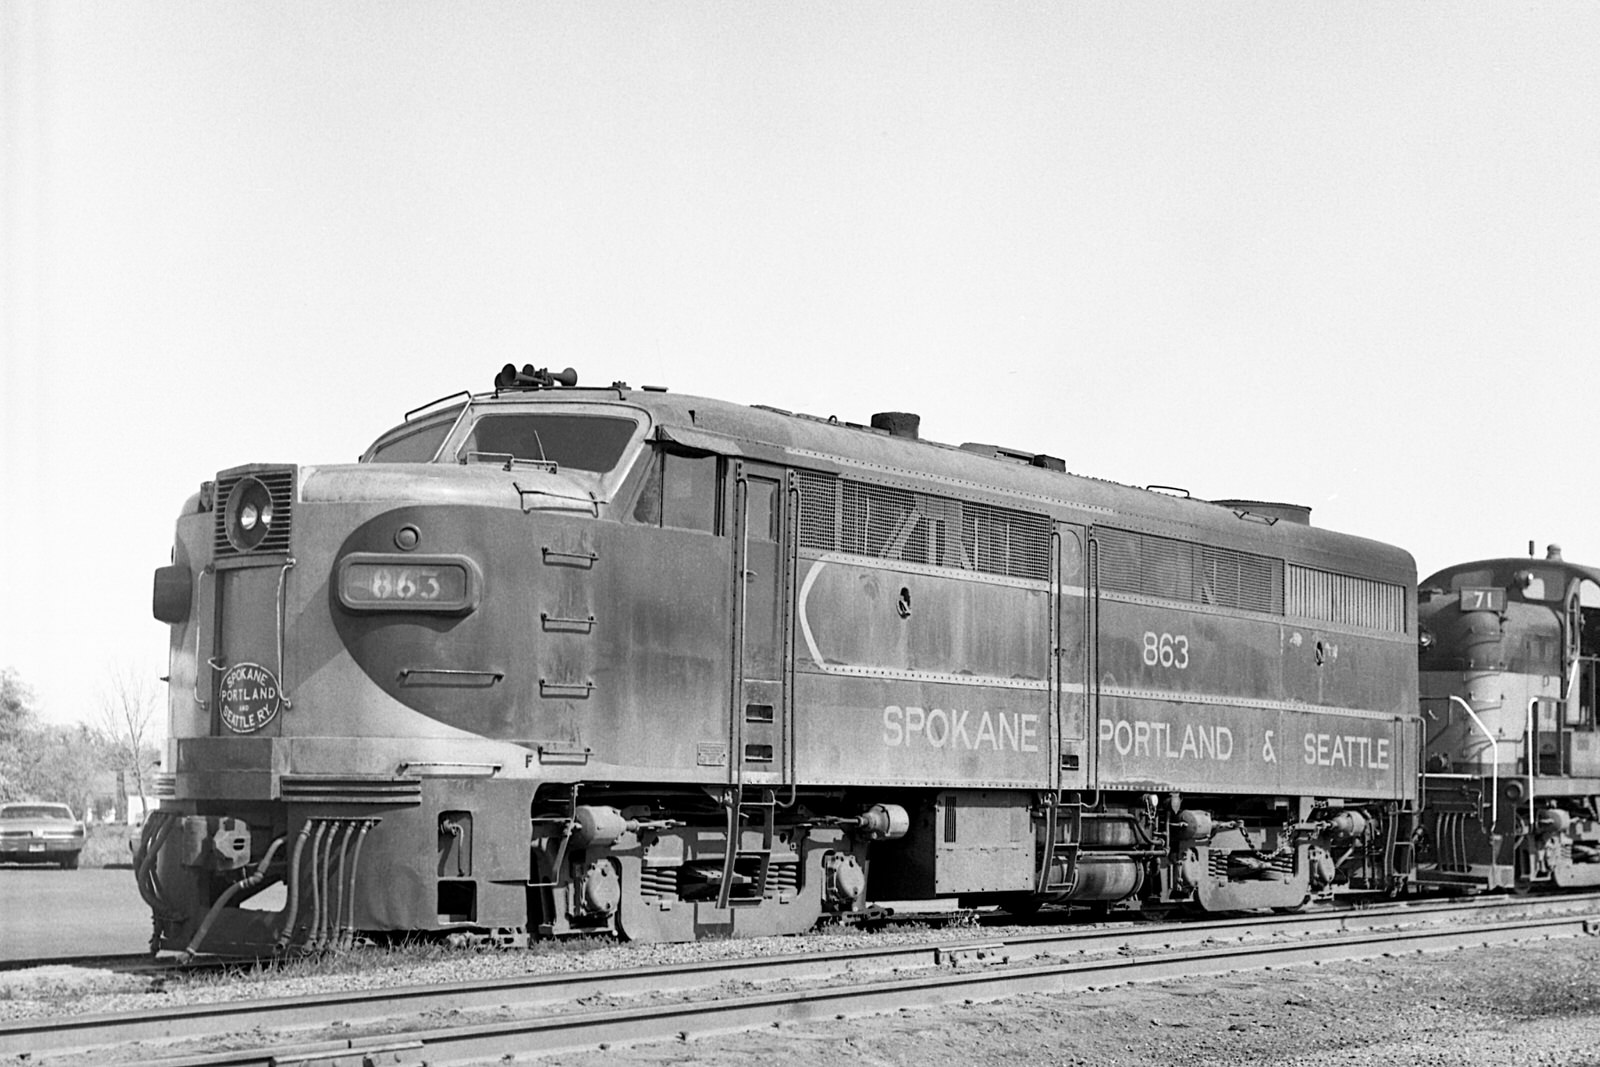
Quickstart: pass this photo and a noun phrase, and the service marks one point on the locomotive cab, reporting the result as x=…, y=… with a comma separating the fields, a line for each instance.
x=1510, y=671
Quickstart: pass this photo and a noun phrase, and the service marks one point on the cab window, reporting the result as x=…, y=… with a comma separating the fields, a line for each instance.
x=1462, y=579
x=1541, y=583
x=414, y=442
x=569, y=441
x=680, y=491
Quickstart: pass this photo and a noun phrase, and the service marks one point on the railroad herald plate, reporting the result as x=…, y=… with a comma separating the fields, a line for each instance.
x=249, y=696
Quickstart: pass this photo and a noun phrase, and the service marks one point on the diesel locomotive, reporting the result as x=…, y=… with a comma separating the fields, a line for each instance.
x=1510, y=667
x=554, y=659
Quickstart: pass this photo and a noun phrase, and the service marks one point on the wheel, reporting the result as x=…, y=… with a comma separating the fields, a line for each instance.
x=1023, y=905
x=1293, y=909
x=1099, y=911
x=1522, y=875
x=70, y=863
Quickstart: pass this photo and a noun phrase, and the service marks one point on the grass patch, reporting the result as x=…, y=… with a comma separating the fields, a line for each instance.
x=107, y=846
x=400, y=954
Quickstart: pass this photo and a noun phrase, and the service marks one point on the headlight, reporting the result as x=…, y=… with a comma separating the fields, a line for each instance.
x=249, y=513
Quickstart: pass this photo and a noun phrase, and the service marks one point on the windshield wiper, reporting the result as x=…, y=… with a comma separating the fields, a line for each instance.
x=511, y=462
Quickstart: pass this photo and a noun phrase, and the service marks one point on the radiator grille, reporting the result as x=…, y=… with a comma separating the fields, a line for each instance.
x=1316, y=594
x=819, y=510
x=349, y=789
x=280, y=483
x=1148, y=565
x=866, y=519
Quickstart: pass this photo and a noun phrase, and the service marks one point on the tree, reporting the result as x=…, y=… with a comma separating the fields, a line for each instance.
x=64, y=763
x=19, y=724
x=128, y=706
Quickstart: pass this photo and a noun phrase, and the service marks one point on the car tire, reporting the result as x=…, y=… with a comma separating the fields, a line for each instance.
x=70, y=863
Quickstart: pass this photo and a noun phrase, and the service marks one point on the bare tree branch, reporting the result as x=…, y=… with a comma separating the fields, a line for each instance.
x=129, y=703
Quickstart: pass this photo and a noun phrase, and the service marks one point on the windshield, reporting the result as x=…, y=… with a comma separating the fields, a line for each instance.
x=1542, y=583
x=35, y=811
x=570, y=441
x=414, y=442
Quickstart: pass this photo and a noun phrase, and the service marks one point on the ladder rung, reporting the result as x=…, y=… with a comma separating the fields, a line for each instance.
x=763, y=813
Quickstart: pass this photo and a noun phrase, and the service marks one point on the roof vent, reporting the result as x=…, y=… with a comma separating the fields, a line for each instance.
x=898, y=423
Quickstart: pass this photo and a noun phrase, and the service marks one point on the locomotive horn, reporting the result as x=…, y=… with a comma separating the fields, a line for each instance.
x=531, y=377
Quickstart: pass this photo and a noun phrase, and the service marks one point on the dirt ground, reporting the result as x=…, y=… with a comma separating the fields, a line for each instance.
x=47, y=912
x=1522, y=1005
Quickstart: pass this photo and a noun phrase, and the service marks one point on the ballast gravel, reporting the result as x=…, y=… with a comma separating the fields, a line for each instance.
x=1529, y=1005
x=1535, y=1004
x=56, y=990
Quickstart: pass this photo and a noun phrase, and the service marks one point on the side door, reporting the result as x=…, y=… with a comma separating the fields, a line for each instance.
x=1072, y=627
x=761, y=720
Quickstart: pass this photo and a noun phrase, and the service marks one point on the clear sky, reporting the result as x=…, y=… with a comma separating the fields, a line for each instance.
x=1342, y=254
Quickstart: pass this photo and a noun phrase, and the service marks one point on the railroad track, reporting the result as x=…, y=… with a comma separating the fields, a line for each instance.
x=487, y=1021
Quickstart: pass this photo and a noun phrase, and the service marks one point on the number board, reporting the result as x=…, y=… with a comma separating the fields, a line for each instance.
x=1481, y=598
x=370, y=581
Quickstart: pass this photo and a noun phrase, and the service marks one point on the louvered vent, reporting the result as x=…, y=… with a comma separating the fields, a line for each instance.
x=1165, y=567
x=349, y=789
x=280, y=484
x=1315, y=594
x=891, y=523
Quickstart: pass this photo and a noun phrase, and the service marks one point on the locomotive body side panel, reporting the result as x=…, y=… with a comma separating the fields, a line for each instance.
x=596, y=640
x=1195, y=699
x=917, y=675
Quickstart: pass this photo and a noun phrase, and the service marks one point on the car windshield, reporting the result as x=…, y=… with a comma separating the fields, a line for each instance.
x=571, y=440
x=35, y=811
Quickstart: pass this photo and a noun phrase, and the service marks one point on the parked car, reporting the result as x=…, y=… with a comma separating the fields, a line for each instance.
x=34, y=832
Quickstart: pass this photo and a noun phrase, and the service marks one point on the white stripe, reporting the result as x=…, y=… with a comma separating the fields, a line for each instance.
x=1211, y=700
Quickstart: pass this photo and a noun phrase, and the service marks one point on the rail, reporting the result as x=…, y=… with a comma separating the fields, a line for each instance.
x=545, y=1013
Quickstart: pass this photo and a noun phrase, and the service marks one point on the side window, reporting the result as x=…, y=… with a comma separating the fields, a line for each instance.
x=689, y=485
x=647, y=508
x=416, y=445
x=761, y=509
x=1588, y=690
